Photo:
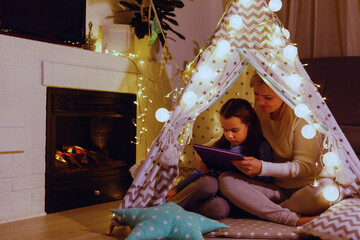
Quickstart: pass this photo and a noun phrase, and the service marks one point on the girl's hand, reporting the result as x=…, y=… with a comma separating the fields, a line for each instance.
x=172, y=192
x=201, y=165
x=250, y=166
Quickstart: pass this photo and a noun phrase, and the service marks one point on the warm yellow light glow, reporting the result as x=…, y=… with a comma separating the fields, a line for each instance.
x=308, y=131
x=162, y=114
x=189, y=98
x=236, y=22
x=330, y=159
x=301, y=110
x=331, y=193
x=222, y=49
x=290, y=52
x=275, y=5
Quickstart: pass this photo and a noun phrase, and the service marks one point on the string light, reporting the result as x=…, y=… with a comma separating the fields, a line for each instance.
x=222, y=49
x=162, y=115
x=331, y=193
x=308, y=132
x=189, y=98
x=277, y=41
x=236, y=22
x=330, y=159
x=275, y=5
x=290, y=52
x=286, y=33
x=204, y=74
x=294, y=81
x=301, y=110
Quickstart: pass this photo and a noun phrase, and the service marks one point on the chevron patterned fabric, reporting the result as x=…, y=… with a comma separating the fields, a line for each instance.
x=256, y=34
x=341, y=221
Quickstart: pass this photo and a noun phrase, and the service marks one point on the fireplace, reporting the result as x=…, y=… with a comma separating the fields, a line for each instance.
x=89, y=147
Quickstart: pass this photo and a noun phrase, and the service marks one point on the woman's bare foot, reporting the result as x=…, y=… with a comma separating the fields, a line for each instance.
x=304, y=219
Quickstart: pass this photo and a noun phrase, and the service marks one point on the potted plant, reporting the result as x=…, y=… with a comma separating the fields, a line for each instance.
x=140, y=20
x=90, y=39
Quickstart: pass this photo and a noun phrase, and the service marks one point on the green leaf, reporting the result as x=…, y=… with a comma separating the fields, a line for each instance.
x=155, y=30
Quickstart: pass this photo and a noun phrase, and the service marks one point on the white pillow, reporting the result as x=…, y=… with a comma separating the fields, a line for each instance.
x=341, y=221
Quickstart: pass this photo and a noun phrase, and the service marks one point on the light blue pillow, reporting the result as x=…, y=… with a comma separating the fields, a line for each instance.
x=168, y=220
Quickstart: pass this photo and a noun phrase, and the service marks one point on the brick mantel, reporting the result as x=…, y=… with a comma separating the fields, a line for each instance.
x=27, y=67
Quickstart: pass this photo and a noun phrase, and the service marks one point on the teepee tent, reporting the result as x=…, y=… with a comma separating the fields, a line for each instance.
x=249, y=33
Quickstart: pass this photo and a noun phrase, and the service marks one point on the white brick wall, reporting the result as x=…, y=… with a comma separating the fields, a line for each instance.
x=26, y=68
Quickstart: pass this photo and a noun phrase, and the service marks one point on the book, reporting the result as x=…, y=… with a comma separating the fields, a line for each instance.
x=218, y=158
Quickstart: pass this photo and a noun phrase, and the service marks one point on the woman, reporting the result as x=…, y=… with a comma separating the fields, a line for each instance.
x=291, y=198
x=242, y=134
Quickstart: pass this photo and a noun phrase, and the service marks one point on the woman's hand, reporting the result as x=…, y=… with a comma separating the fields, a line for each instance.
x=250, y=166
x=201, y=165
x=172, y=192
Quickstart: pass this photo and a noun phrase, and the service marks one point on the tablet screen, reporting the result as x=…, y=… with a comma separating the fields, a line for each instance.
x=218, y=158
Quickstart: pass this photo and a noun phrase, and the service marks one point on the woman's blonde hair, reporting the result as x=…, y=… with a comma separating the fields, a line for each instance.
x=256, y=80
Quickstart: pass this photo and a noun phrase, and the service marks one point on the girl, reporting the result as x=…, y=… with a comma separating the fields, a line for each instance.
x=242, y=134
x=291, y=193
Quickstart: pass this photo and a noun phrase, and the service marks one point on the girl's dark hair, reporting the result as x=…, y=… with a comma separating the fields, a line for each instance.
x=237, y=107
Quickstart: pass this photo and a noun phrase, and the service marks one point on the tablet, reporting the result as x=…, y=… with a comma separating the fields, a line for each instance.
x=218, y=158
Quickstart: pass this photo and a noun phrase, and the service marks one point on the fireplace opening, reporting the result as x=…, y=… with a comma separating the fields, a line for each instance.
x=88, y=147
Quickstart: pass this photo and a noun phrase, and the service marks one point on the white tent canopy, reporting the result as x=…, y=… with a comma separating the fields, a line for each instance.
x=249, y=33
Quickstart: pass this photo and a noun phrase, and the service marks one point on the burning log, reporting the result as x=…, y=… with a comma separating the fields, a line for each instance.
x=75, y=158
x=60, y=162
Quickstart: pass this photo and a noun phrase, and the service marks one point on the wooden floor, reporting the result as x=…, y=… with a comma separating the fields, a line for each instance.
x=88, y=223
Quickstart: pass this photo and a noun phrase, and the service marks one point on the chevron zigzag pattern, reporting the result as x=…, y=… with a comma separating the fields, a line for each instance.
x=151, y=193
x=252, y=15
x=341, y=221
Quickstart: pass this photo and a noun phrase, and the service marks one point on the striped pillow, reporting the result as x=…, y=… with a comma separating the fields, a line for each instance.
x=341, y=221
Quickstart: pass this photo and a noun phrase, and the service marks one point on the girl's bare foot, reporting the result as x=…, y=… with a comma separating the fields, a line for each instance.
x=304, y=219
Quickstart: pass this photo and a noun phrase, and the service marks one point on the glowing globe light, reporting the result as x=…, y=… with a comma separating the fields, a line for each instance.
x=162, y=115
x=301, y=110
x=286, y=33
x=236, y=22
x=277, y=41
x=290, y=52
x=331, y=193
x=275, y=5
x=222, y=49
x=293, y=81
x=308, y=132
x=204, y=74
x=189, y=98
x=330, y=159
